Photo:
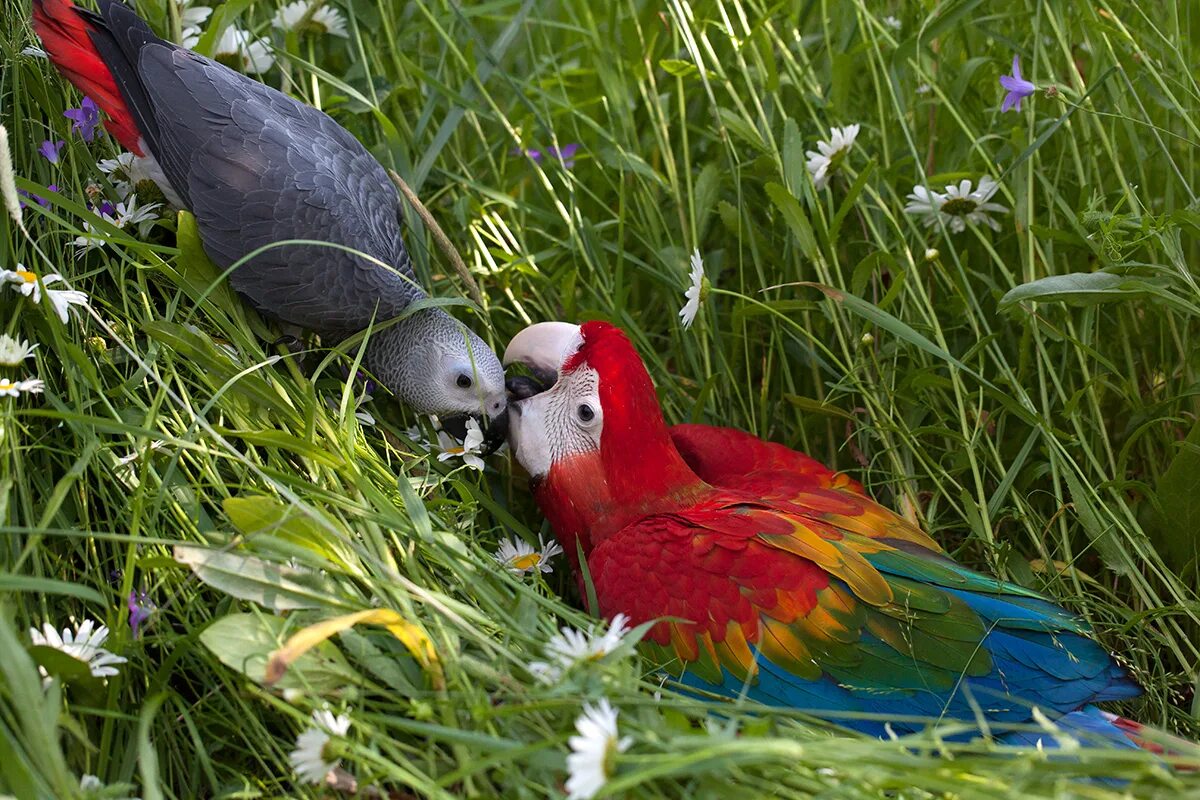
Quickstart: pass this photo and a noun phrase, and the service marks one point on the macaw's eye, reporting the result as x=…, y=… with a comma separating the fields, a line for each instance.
x=586, y=414
x=464, y=381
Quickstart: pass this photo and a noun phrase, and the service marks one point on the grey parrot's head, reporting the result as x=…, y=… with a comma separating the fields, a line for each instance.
x=437, y=365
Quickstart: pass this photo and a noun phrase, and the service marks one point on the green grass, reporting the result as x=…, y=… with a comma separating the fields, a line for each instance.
x=1053, y=441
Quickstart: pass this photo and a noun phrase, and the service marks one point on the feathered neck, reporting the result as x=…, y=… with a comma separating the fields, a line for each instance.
x=637, y=471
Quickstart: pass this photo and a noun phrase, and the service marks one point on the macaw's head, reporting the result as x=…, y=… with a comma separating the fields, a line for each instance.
x=594, y=442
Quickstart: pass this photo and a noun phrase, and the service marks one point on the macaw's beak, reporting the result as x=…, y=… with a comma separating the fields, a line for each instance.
x=541, y=348
x=495, y=431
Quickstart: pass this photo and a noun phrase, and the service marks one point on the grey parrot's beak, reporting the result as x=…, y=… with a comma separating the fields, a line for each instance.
x=494, y=434
x=541, y=348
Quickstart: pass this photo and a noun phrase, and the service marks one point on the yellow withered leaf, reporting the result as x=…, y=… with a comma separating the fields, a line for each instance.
x=409, y=634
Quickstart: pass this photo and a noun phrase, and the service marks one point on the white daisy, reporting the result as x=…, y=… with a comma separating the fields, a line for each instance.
x=34, y=52
x=14, y=351
x=26, y=282
x=694, y=292
x=190, y=37
x=16, y=388
x=469, y=450
x=958, y=206
x=571, y=646
x=829, y=155
x=127, y=170
x=892, y=23
x=85, y=644
x=309, y=759
x=592, y=752
x=121, y=215
x=520, y=557
x=89, y=782
x=240, y=49
x=128, y=213
x=302, y=18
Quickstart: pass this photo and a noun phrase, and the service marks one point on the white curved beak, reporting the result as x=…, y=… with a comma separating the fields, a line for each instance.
x=543, y=347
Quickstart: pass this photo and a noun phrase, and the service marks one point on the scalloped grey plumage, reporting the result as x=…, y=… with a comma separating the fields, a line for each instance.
x=257, y=167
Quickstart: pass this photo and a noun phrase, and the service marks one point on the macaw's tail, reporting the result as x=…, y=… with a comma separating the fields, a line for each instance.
x=70, y=36
x=1093, y=726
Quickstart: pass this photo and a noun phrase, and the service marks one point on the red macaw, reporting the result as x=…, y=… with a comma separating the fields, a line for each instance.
x=776, y=576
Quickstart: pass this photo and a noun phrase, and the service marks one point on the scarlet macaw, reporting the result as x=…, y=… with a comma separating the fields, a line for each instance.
x=257, y=167
x=772, y=574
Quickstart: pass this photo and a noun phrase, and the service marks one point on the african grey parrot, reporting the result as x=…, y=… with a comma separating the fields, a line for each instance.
x=255, y=167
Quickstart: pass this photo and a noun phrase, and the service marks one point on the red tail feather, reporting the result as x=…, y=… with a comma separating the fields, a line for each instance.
x=64, y=34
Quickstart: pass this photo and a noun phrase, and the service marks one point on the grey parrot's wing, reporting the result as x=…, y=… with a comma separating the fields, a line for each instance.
x=258, y=167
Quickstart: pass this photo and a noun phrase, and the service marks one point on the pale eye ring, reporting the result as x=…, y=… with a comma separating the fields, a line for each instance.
x=585, y=412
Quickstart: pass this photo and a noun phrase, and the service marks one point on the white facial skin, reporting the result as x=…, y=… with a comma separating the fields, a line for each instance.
x=557, y=423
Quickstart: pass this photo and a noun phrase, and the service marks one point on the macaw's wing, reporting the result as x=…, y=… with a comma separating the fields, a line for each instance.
x=804, y=614
x=726, y=456
x=731, y=459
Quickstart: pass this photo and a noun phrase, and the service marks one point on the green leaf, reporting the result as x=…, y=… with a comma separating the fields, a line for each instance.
x=742, y=129
x=1081, y=287
x=265, y=518
x=1178, y=518
x=678, y=67
x=245, y=642
x=39, y=586
x=246, y=577
x=814, y=406
x=1103, y=534
x=795, y=218
x=286, y=441
x=222, y=372
x=195, y=273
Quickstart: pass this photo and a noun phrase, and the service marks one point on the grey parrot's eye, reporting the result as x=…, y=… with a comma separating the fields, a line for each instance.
x=585, y=412
x=464, y=381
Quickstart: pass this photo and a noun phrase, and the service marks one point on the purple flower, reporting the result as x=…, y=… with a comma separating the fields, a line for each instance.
x=141, y=608
x=41, y=201
x=1018, y=88
x=50, y=150
x=84, y=119
x=565, y=155
x=107, y=209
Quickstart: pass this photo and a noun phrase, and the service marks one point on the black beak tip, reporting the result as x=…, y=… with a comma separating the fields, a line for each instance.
x=496, y=433
x=456, y=425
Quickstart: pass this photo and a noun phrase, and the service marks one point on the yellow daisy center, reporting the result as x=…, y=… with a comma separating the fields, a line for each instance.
x=27, y=276
x=528, y=561
x=7, y=385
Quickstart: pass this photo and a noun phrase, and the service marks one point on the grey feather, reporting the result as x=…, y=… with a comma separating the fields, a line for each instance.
x=256, y=168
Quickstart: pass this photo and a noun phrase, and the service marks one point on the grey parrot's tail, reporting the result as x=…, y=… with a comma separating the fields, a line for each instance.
x=98, y=53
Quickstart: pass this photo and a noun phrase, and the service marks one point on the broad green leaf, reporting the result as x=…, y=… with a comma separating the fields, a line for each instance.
x=795, y=218
x=245, y=642
x=1080, y=287
x=813, y=406
x=269, y=585
x=194, y=271
x=40, y=586
x=409, y=634
x=1178, y=518
x=742, y=129
x=1103, y=534
x=260, y=517
x=286, y=441
x=221, y=370
x=678, y=67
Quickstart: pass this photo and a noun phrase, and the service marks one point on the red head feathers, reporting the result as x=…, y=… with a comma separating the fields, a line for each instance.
x=595, y=441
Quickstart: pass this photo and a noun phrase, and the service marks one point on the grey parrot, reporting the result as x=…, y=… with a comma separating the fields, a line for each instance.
x=255, y=167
